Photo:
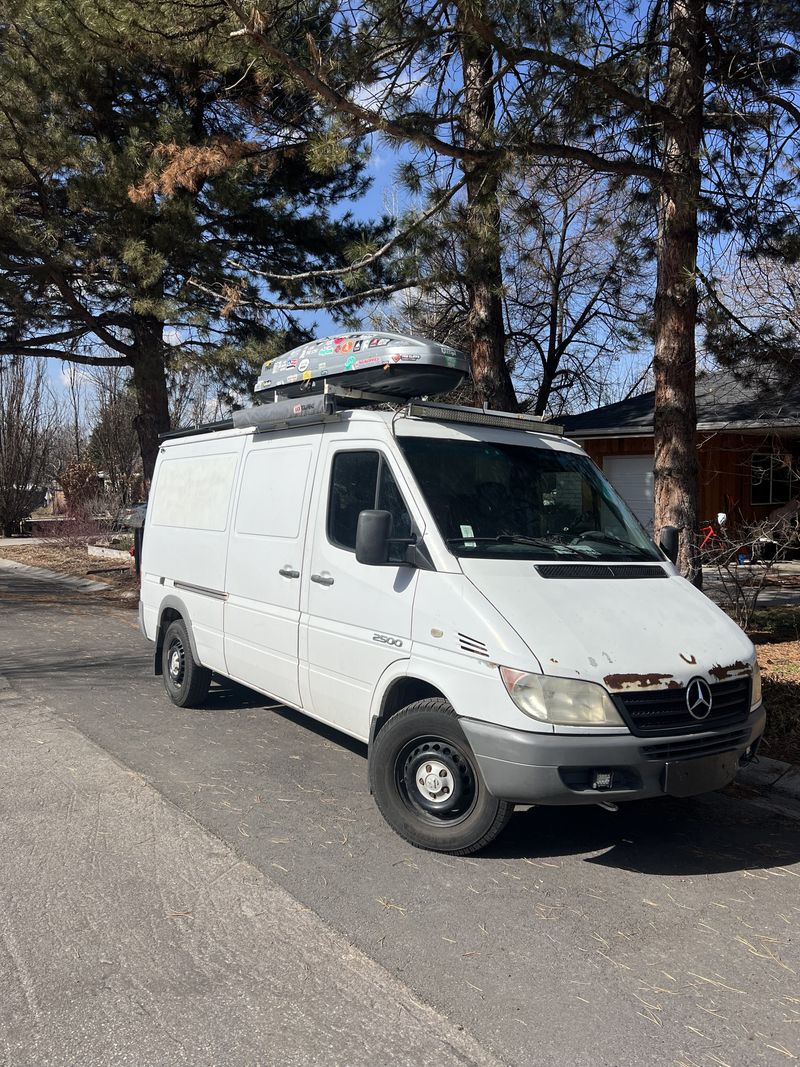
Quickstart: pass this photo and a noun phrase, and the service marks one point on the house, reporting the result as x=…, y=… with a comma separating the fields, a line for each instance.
x=748, y=446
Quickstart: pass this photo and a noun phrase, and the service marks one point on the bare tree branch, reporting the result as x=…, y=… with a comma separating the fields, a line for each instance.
x=365, y=261
x=640, y=104
x=372, y=121
x=378, y=293
x=64, y=356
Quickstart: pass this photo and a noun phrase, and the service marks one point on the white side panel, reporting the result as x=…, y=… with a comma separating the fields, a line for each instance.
x=194, y=491
x=186, y=536
x=632, y=477
x=263, y=607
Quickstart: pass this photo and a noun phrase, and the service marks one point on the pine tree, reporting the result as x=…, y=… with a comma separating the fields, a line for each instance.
x=692, y=100
x=144, y=176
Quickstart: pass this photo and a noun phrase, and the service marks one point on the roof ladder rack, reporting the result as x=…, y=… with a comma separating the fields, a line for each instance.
x=328, y=405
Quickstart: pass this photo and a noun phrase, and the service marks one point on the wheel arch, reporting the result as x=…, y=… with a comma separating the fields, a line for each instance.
x=172, y=608
x=397, y=694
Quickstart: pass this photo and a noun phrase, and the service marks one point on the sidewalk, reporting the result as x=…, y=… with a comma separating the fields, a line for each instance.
x=130, y=935
x=44, y=574
x=771, y=596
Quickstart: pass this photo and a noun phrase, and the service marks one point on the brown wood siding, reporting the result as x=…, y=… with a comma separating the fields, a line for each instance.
x=724, y=467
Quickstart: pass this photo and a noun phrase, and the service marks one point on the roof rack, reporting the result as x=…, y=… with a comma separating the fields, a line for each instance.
x=192, y=431
x=283, y=413
x=502, y=420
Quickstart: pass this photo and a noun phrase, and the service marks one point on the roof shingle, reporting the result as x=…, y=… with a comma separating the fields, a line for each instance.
x=724, y=401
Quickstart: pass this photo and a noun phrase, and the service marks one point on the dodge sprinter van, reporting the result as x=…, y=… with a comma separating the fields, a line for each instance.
x=460, y=589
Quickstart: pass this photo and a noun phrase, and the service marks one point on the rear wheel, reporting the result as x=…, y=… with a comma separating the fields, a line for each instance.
x=186, y=682
x=427, y=784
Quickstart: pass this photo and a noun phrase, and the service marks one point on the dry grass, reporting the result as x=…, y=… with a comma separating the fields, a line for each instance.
x=75, y=561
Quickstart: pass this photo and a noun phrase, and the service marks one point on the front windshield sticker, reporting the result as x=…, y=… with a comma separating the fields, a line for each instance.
x=467, y=531
x=496, y=500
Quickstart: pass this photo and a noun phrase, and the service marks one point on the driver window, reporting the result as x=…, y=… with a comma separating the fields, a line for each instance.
x=361, y=481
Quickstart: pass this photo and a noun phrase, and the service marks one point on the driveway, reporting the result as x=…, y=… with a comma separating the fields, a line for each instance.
x=664, y=934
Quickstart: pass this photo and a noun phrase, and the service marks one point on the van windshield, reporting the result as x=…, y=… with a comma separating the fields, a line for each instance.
x=508, y=501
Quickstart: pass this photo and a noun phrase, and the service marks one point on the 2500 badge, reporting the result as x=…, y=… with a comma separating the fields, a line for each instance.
x=382, y=639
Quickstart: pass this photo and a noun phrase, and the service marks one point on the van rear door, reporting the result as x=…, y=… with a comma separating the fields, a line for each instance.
x=356, y=618
x=264, y=564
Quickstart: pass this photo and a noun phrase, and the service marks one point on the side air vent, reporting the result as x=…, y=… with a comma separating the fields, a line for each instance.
x=470, y=644
x=599, y=570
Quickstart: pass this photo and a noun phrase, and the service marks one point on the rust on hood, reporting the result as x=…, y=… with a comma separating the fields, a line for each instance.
x=639, y=681
x=733, y=670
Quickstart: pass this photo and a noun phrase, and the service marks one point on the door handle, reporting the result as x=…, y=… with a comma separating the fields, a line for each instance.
x=289, y=572
x=322, y=579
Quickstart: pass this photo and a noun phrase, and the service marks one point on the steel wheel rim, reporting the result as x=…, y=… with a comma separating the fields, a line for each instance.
x=176, y=662
x=439, y=799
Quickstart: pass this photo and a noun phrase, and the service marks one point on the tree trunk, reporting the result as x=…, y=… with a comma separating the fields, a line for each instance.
x=554, y=351
x=150, y=385
x=676, y=292
x=484, y=272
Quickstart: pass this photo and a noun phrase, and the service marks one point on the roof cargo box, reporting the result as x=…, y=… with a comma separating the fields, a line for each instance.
x=385, y=363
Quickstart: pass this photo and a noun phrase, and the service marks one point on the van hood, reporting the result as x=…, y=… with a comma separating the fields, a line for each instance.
x=639, y=633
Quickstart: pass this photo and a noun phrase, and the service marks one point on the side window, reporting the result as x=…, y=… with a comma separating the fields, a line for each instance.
x=354, y=477
x=361, y=481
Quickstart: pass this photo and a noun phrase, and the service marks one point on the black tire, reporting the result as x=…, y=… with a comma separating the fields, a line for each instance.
x=185, y=681
x=445, y=812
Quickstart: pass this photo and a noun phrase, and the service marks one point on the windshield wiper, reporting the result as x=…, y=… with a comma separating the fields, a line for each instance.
x=517, y=539
x=611, y=539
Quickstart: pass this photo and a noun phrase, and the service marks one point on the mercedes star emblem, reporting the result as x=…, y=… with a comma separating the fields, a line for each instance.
x=698, y=698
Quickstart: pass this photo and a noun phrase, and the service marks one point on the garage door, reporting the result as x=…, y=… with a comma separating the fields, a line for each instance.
x=632, y=477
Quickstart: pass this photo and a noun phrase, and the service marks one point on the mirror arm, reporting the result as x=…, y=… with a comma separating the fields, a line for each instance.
x=417, y=555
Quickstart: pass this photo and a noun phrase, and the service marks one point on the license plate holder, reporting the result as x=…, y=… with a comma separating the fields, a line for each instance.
x=686, y=778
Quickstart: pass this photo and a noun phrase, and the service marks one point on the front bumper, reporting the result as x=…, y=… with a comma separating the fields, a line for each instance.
x=537, y=768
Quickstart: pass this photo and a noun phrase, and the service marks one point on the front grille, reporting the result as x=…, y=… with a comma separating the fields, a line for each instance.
x=697, y=746
x=664, y=711
x=598, y=570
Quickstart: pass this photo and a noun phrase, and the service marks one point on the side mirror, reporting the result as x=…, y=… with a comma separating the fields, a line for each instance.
x=373, y=534
x=669, y=542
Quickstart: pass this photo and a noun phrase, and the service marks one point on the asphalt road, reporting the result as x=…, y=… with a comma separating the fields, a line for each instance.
x=664, y=934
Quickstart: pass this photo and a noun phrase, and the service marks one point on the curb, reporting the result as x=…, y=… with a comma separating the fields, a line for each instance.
x=771, y=776
x=42, y=574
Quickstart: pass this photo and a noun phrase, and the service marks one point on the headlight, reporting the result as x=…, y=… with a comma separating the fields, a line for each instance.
x=560, y=701
x=755, y=698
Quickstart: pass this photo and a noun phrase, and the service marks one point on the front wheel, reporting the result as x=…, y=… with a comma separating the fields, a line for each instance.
x=186, y=681
x=427, y=784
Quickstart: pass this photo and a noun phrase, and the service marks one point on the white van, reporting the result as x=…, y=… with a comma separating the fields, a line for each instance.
x=460, y=589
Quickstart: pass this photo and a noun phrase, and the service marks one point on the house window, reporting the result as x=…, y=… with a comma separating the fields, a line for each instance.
x=772, y=479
